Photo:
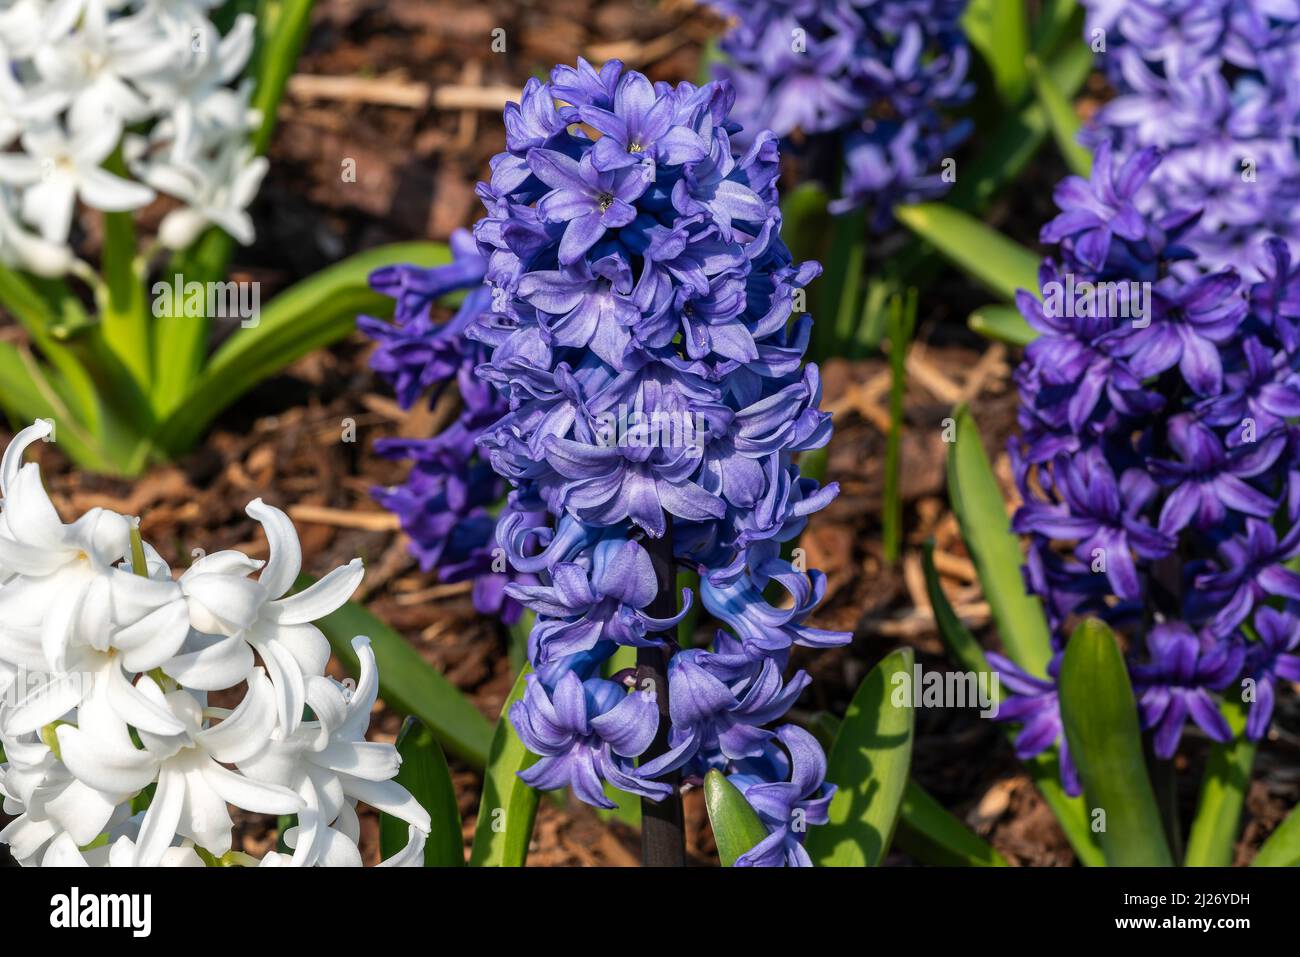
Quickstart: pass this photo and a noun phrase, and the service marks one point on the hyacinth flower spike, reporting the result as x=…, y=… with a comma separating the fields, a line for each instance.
x=638, y=326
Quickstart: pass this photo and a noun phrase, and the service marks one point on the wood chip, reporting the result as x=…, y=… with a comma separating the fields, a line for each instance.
x=433, y=594
x=954, y=566
x=343, y=518
x=992, y=805
x=400, y=92
x=928, y=376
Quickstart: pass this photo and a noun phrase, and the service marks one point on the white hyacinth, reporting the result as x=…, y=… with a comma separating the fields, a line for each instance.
x=113, y=754
x=80, y=73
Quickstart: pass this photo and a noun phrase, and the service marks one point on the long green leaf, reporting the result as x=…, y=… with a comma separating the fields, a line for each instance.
x=508, y=806
x=1223, y=794
x=124, y=317
x=1063, y=120
x=839, y=291
x=928, y=833
x=736, y=825
x=1100, y=718
x=281, y=32
x=311, y=314
x=407, y=682
x=869, y=763
x=1057, y=18
x=27, y=395
x=1003, y=266
x=425, y=774
x=1002, y=324
x=76, y=386
x=999, y=29
x=1282, y=849
x=977, y=502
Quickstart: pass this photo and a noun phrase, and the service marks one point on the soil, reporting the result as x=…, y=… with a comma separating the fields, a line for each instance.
x=289, y=440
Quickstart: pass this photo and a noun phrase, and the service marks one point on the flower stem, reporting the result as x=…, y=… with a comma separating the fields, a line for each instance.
x=663, y=842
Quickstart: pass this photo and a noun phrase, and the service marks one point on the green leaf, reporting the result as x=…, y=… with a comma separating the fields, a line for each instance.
x=124, y=315
x=929, y=834
x=316, y=312
x=736, y=825
x=902, y=323
x=75, y=385
x=999, y=29
x=1101, y=725
x=425, y=774
x=839, y=291
x=1001, y=265
x=508, y=806
x=1063, y=120
x=1002, y=324
x=977, y=502
x=407, y=682
x=1056, y=19
x=869, y=762
x=1223, y=794
x=282, y=27
x=1282, y=849
x=27, y=394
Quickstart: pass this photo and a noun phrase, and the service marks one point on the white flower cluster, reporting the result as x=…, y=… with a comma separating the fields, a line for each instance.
x=113, y=754
x=153, y=76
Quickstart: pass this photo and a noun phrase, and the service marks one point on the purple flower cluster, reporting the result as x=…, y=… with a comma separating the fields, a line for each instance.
x=1159, y=460
x=1213, y=84
x=445, y=505
x=645, y=335
x=865, y=80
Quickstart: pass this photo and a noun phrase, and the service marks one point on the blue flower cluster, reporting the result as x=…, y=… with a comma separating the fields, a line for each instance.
x=1158, y=458
x=1213, y=84
x=868, y=80
x=645, y=332
x=445, y=505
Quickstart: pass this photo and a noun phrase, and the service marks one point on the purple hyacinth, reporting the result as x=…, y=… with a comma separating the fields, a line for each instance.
x=1212, y=84
x=643, y=340
x=786, y=786
x=446, y=503
x=1157, y=457
x=866, y=82
x=1175, y=684
x=1036, y=705
x=586, y=732
x=1268, y=661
